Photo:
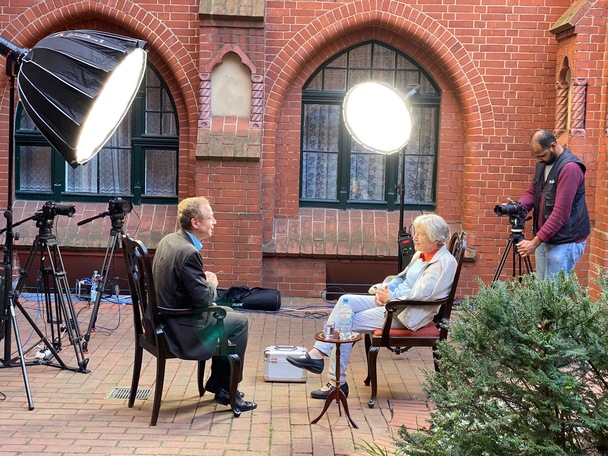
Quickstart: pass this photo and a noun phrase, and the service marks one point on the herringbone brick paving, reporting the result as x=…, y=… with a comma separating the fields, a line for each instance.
x=73, y=413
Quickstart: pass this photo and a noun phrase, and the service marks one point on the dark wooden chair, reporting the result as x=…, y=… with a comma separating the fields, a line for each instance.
x=401, y=340
x=149, y=333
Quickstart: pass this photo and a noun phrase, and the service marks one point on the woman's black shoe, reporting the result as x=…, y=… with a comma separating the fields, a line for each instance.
x=322, y=394
x=312, y=365
x=223, y=397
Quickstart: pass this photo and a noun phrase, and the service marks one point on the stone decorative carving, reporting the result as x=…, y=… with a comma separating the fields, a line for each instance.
x=257, y=101
x=561, y=108
x=204, y=119
x=579, y=107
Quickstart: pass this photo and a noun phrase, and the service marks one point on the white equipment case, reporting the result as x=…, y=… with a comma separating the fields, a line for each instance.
x=276, y=367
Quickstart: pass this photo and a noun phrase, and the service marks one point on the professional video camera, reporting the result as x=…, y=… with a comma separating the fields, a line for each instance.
x=50, y=210
x=119, y=206
x=45, y=217
x=516, y=212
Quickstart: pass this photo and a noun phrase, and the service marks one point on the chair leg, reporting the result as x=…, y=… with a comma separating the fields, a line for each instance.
x=235, y=371
x=372, y=357
x=158, y=392
x=136, y=373
x=368, y=344
x=201, y=378
x=436, y=359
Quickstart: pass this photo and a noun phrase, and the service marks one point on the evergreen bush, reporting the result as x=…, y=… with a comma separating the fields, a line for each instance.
x=525, y=372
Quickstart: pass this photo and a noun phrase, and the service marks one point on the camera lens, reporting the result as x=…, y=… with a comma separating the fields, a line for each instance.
x=61, y=209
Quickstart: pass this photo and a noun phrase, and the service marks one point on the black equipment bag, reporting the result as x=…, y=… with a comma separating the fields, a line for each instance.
x=257, y=298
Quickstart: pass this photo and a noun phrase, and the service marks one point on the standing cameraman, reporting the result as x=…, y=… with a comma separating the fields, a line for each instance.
x=557, y=194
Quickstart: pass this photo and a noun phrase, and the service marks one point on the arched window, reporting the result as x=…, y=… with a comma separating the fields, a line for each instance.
x=139, y=161
x=338, y=172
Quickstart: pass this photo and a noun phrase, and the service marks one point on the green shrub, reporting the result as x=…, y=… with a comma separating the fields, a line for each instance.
x=525, y=373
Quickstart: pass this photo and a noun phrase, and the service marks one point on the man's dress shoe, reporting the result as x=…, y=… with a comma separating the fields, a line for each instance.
x=312, y=365
x=213, y=387
x=223, y=397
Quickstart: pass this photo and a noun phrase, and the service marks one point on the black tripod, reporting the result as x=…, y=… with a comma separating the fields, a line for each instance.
x=60, y=312
x=517, y=235
x=118, y=208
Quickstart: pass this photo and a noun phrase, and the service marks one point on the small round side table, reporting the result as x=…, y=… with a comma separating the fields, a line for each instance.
x=337, y=393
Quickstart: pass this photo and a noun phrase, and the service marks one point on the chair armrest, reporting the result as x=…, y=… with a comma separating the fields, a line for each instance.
x=219, y=312
x=396, y=305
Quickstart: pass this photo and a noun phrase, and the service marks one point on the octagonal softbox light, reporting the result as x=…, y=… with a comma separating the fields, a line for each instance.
x=78, y=85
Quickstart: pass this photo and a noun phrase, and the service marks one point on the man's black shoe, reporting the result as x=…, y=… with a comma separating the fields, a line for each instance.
x=223, y=397
x=213, y=387
x=312, y=365
x=322, y=394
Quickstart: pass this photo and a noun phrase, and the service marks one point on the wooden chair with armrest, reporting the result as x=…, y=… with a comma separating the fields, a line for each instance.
x=400, y=340
x=149, y=332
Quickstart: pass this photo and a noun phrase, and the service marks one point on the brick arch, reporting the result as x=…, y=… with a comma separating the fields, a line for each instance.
x=428, y=42
x=45, y=18
x=434, y=38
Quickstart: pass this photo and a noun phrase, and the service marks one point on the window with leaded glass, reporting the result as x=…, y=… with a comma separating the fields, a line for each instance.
x=139, y=162
x=336, y=171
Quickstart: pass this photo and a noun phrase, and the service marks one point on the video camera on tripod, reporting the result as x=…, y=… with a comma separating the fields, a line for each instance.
x=518, y=215
x=117, y=209
x=44, y=218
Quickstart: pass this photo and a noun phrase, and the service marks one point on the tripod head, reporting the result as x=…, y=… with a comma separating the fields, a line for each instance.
x=117, y=209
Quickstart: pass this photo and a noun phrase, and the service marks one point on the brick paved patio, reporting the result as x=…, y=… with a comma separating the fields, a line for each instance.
x=74, y=414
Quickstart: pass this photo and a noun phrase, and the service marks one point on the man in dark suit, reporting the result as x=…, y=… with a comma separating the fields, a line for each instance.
x=182, y=283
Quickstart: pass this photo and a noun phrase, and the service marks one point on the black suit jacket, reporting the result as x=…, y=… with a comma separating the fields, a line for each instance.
x=180, y=283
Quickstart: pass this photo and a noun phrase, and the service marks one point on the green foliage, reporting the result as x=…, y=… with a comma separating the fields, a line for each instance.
x=525, y=373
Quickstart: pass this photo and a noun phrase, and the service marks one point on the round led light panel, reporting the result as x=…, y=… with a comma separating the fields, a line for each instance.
x=377, y=117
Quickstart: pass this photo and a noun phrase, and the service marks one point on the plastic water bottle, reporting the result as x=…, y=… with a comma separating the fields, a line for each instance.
x=94, y=286
x=346, y=319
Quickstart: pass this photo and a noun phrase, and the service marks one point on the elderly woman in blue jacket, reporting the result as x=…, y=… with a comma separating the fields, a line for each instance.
x=428, y=276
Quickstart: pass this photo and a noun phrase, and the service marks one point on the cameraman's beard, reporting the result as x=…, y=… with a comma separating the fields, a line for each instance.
x=552, y=159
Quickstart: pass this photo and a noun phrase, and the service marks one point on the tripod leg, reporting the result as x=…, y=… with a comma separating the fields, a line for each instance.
x=501, y=264
x=63, y=298
x=107, y=261
x=26, y=381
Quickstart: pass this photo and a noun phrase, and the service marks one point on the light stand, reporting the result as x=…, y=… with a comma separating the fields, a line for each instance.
x=117, y=209
x=404, y=237
x=76, y=86
x=8, y=293
x=378, y=117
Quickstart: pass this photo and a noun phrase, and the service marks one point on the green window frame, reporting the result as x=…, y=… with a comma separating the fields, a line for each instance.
x=339, y=173
x=139, y=162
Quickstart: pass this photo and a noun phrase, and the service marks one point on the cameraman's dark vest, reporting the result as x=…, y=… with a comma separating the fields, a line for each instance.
x=578, y=226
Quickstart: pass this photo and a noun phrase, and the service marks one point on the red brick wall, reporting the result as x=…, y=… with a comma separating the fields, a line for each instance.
x=495, y=62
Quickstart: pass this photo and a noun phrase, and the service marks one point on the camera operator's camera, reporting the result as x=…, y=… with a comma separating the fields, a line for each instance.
x=513, y=208
x=119, y=206
x=50, y=210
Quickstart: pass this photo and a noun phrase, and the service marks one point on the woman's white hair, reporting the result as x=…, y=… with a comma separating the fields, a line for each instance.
x=436, y=228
